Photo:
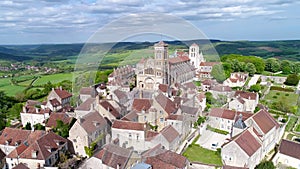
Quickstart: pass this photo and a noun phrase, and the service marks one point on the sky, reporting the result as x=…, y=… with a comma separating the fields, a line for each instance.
x=75, y=21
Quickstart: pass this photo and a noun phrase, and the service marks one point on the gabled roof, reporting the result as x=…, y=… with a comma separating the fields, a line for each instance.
x=169, y=133
x=13, y=136
x=222, y=113
x=21, y=166
x=163, y=87
x=108, y=107
x=141, y=104
x=166, y=103
x=92, y=122
x=128, y=125
x=120, y=94
x=178, y=59
x=86, y=91
x=290, y=148
x=189, y=110
x=130, y=116
x=246, y=95
x=113, y=155
x=58, y=116
x=54, y=102
x=221, y=88
x=62, y=93
x=178, y=117
x=190, y=85
x=248, y=143
x=265, y=121
x=86, y=106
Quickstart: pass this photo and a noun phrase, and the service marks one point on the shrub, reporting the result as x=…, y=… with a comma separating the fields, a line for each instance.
x=275, y=97
x=281, y=89
x=278, y=94
x=287, y=94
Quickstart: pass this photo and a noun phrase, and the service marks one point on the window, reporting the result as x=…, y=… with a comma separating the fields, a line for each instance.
x=161, y=120
x=129, y=135
x=137, y=137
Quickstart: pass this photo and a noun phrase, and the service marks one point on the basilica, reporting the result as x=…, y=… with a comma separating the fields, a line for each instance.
x=165, y=69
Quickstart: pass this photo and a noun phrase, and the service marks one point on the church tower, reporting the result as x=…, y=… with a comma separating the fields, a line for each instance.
x=196, y=57
x=161, y=57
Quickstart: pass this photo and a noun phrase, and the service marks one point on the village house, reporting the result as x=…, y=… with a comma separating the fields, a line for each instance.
x=120, y=97
x=130, y=134
x=180, y=123
x=221, y=91
x=85, y=107
x=225, y=119
x=54, y=117
x=41, y=149
x=88, y=129
x=86, y=93
x=108, y=110
x=33, y=113
x=204, y=72
x=158, y=157
x=110, y=157
x=244, y=101
x=288, y=154
x=262, y=132
x=58, y=98
x=236, y=79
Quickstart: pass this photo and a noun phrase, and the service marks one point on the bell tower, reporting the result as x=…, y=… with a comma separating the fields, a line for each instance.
x=161, y=57
x=196, y=57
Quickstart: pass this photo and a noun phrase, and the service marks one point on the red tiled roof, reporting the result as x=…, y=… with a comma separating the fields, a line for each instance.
x=178, y=59
x=120, y=94
x=86, y=106
x=222, y=113
x=166, y=103
x=175, y=117
x=169, y=133
x=62, y=93
x=245, y=95
x=130, y=116
x=167, y=160
x=290, y=148
x=265, y=121
x=141, y=104
x=13, y=135
x=248, y=143
x=128, y=125
x=190, y=85
x=201, y=96
x=113, y=155
x=21, y=166
x=209, y=63
x=108, y=107
x=182, y=53
x=163, y=87
x=86, y=91
x=151, y=134
x=221, y=88
x=92, y=121
x=58, y=116
x=54, y=102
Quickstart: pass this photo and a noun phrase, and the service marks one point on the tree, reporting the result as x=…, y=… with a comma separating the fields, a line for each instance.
x=218, y=73
x=255, y=88
x=292, y=80
x=28, y=126
x=39, y=127
x=265, y=165
x=227, y=69
x=272, y=65
x=62, y=129
x=286, y=67
x=209, y=98
x=250, y=68
x=295, y=67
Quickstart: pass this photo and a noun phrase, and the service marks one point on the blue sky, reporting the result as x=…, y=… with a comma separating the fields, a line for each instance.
x=73, y=21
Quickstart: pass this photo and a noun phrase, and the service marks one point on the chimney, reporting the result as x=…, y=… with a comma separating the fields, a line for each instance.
x=52, y=89
x=34, y=154
x=108, y=109
x=92, y=107
x=60, y=87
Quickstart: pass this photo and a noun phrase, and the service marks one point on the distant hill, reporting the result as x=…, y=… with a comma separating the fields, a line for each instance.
x=289, y=50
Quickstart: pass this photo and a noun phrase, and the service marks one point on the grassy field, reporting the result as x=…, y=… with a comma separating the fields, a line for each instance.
x=291, y=123
x=289, y=97
x=195, y=153
x=8, y=88
x=55, y=78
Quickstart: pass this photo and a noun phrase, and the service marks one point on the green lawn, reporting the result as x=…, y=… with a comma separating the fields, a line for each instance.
x=8, y=88
x=291, y=123
x=196, y=153
x=55, y=78
x=282, y=101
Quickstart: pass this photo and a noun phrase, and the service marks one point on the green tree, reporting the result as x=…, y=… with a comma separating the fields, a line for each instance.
x=62, y=129
x=227, y=69
x=265, y=165
x=292, y=80
x=250, y=68
x=272, y=65
x=255, y=88
x=286, y=67
x=209, y=98
x=39, y=127
x=295, y=67
x=218, y=73
x=15, y=110
x=28, y=126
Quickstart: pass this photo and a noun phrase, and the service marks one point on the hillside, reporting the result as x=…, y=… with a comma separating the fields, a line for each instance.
x=289, y=50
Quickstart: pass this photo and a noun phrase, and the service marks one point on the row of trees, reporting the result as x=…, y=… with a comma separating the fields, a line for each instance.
x=252, y=64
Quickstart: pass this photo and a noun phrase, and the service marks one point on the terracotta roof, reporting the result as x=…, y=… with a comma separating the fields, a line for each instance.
x=54, y=102
x=141, y=104
x=120, y=94
x=58, y=116
x=190, y=85
x=92, y=122
x=113, y=155
x=21, y=166
x=207, y=82
x=178, y=117
x=178, y=59
x=166, y=103
x=167, y=160
x=265, y=121
x=62, y=93
x=222, y=113
x=163, y=87
x=182, y=53
x=130, y=116
x=151, y=134
x=86, y=91
x=221, y=88
x=13, y=136
x=248, y=143
x=189, y=110
x=246, y=95
x=209, y=63
x=86, y=106
x=169, y=133
x=108, y=107
x=34, y=110
x=201, y=96
x=128, y=125
x=290, y=148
